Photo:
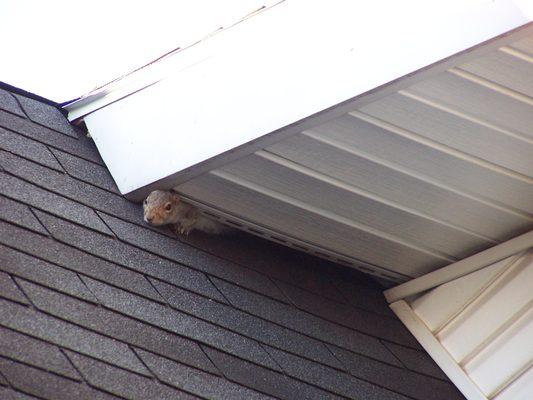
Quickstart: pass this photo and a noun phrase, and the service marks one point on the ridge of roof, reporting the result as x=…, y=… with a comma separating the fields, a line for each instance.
x=13, y=89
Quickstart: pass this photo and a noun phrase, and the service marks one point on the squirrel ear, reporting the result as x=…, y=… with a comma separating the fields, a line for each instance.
x=175, y=194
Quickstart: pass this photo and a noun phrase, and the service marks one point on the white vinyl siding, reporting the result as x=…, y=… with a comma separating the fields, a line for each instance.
x=484, y=323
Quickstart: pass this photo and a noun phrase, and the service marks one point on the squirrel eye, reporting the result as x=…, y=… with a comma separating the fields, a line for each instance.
x=145, y=202
x=168, y=206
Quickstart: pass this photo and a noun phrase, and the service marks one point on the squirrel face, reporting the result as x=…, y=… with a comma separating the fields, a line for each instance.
x=162, y=207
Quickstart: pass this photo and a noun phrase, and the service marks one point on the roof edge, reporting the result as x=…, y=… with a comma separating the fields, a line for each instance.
x=144, y=76
x=25, y=93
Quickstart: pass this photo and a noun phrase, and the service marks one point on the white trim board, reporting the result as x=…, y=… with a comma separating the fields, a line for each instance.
x=460, y=268
x=251, y=86
x=478, y=328
x=151, y=73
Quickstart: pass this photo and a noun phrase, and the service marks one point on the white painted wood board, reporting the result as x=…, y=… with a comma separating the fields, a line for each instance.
x=461, y=268
x=406, y=197
x=404, y=168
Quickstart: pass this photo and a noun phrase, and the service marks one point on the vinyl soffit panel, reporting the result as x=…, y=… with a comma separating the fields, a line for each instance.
x=418, y=179
x=399, y=181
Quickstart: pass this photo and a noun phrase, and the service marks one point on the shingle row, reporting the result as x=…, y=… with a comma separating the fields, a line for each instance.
x=95, y=304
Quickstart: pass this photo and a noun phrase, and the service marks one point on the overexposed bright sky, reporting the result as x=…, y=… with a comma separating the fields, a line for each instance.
x=62, y=49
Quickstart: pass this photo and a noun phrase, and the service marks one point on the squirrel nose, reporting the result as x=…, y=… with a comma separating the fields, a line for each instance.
x=149, y=219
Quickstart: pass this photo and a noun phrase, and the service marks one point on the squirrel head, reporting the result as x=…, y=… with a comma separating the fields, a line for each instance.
x=162, y=207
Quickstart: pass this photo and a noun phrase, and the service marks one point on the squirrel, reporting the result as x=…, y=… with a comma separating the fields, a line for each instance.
x=165, y=207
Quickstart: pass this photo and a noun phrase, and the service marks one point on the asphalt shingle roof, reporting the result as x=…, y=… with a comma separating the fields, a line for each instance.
x=95, y=304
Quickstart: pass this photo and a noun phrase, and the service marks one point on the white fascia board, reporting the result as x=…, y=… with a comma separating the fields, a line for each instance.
x=153, y=72
x=460, y=268
x=283, y=65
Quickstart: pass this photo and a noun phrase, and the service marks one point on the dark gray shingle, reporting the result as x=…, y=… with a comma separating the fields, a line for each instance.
x=9, y=290
x=129, y=256
x=27, y=148
x=245, y=324
x=356, y=318
x=265, y=380
x=397, y=379
x=35, y=352
x=330, y=379
x=42, y=272
x=8, y=103
x=19, y=214
x=27, y=128
x=119, y=327
x=175, y=250
x=47, y=386
x=61, y=333
x=180, y=323
x=75, y=260
x=363, y=296
x=416, y=360
x=64, y=185
x=195, y=381
x=3, y=382
x=271, y=259
x=47, y=115
x=303, y=322
x=39, y=198
x=86, y=171
x=10, y=394
x=124, y=383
